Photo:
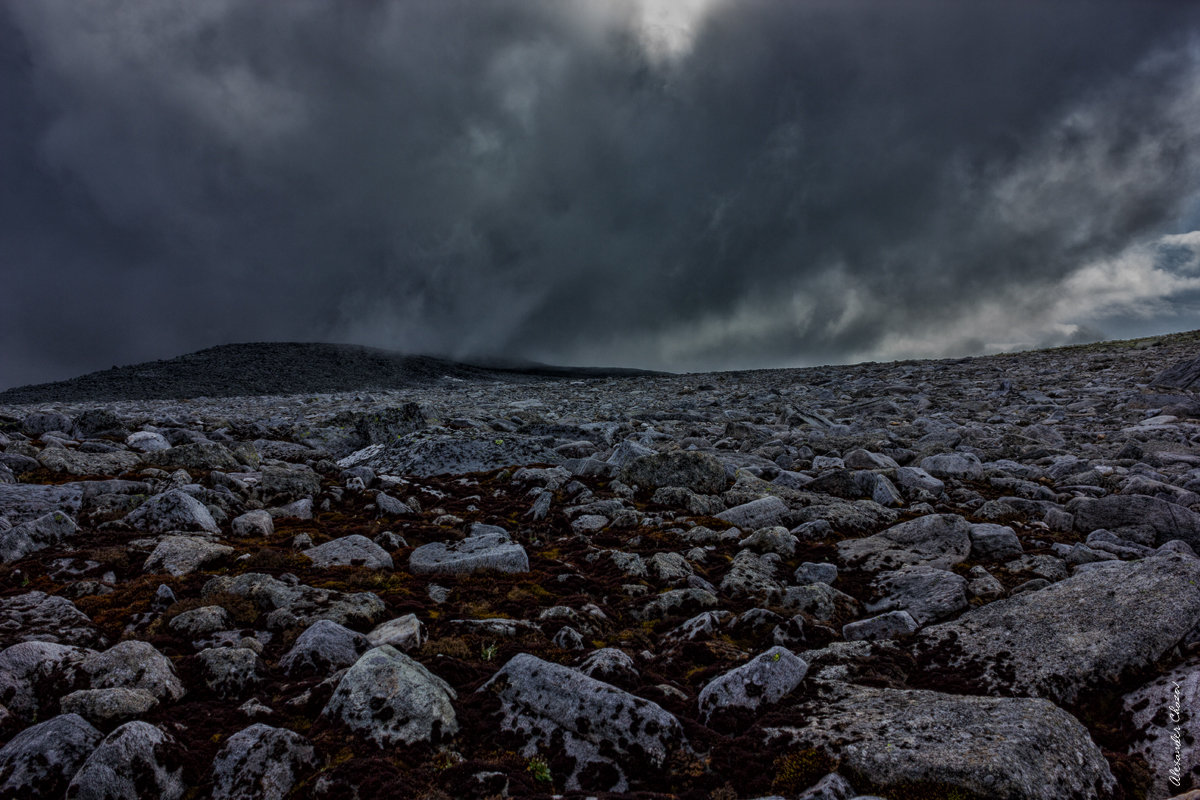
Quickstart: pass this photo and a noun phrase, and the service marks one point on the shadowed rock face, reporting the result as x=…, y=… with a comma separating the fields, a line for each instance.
x=992, y=747
x=585, y=585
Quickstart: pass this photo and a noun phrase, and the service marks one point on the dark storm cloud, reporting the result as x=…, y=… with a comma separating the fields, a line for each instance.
x=768, y=183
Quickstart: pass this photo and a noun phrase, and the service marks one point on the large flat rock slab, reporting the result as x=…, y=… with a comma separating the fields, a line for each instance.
x=608, y=733
x=1080, y=633
x=21, y=502
x=929, y=744
x=425, y=454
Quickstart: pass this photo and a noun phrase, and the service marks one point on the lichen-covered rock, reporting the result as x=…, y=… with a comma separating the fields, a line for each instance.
x=938, y=540
x=702, y=473
x=31, y=672
x=105, y=707
x=195, y=455
x=201, y=621
x=21, y=502
x=289, y=605
x=182, y=555
x=39, y=617
x=402, y=633
x=354, y=550
x=388, y=698
x=173, y=510
x=482, y=552
x=609, y=734
x=40, y=760
x=752, y=575
x=1163, y=713
x=260, y=763
x=134, y=665
x=1141, y=519
x=882, y=626
x=136, y=760
x=1012, y=748
x=765, y=679
x=610, y=665
x=1082, y=632
x=761, y=513
x=230, y=672
x=324, y=647
x=927, y=593
x=253, y=524
x=34, y=535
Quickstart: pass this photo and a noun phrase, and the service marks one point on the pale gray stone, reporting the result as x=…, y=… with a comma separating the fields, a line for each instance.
x=387, y=698
x=593, y=722
x=40, y=760
x=765, y=679
x=135, y=760
x=182, y=555
x=172, y=511
x=261, y=763
x=991, y=747
x=354, y=550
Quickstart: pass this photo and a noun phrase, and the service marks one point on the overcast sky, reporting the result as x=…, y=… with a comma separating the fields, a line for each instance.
x=678, y=184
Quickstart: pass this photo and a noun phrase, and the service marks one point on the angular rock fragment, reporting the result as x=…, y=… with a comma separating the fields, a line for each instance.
x=40, y=760
x=991, y=747
x=387, y=698
x=702, y=473
x=1083, y=632
x=354, y=550
x=476, y=553
x=260, y=763
x=937, y=540
x=39, y=617
x=609, y=734
x=182, y=555
x=172, y=511
x=323, y=648
x=135, y=760
x=765, y=679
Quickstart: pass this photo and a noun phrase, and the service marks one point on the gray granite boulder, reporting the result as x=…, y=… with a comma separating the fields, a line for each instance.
x=761, y=513
x=354, y=550
x=938, y=540
x=40, y=760
x=134, y=665
x=39, y=617
x=261, y=763
x=388, y=698
x=1141, y=519
x=608, y=733
x=882, y=626
x=927, y=593
x=477, y=553
x=403, y=633
x=230, y=672
x=172, y=511
x=1083, y=632
x=182, y=555
x=136, y=760
x=700, y=472
x=253, y=524
x=765, y=679
x=291, y=604
x=324, y=647
x=35, y=534
x=1012, y=748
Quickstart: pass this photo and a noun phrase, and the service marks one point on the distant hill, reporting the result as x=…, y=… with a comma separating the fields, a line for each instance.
x=260, y=368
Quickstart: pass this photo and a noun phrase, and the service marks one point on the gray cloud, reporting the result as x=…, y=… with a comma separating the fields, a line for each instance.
x=759, y=183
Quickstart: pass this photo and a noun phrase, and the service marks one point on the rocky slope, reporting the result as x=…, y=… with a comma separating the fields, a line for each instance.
x=946, y=579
